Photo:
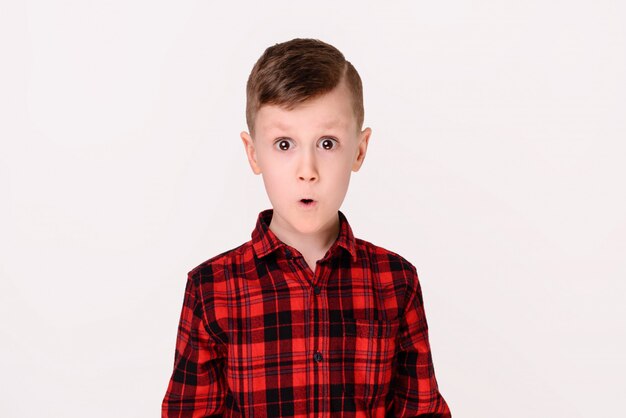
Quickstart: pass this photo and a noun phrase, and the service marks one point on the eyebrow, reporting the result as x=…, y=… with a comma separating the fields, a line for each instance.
x=333, y=123
x=279, y=125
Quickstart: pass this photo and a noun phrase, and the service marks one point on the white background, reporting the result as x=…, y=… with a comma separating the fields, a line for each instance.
x=496, y=166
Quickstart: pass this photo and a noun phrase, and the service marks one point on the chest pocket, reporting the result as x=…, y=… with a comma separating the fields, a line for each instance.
x=363, y=357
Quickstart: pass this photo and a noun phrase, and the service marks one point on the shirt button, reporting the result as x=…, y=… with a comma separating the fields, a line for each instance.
x=288, y=253
x=317, y=290
x=317, y=356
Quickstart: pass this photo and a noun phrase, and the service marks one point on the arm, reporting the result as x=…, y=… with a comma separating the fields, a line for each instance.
x=197, y=387
x=416, y=393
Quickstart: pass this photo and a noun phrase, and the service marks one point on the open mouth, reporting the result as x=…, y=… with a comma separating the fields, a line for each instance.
x=307, y=202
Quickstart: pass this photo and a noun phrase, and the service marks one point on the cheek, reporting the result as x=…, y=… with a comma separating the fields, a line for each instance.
x=345, y=167
x=275, y=182
x=341, y=176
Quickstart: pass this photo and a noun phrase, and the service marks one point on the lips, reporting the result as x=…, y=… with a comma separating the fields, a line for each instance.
x=307, y=203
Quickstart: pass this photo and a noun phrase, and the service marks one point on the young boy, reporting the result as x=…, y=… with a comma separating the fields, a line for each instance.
x=304, y=320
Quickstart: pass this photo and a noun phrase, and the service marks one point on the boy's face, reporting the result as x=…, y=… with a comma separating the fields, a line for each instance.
x=307, y=152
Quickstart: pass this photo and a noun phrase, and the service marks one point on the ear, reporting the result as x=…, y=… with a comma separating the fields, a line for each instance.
x=248, y=144
x=364, y=138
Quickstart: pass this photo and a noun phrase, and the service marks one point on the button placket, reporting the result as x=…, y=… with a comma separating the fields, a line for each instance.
x=322, y=274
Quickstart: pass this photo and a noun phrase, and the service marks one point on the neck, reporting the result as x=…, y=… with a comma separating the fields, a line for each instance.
x=315, y=243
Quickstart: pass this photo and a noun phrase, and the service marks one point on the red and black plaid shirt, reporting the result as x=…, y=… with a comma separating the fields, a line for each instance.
x=262, y=335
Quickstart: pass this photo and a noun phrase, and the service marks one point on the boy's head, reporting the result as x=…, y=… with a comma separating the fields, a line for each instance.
x=305, y=114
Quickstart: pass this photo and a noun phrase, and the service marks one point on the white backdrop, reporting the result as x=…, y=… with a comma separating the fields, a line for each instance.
x=496, y=166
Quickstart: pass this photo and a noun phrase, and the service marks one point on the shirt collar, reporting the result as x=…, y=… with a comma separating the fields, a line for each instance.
x=264, y=241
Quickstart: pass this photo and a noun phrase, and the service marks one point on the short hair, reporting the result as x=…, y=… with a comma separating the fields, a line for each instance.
x=294, y=71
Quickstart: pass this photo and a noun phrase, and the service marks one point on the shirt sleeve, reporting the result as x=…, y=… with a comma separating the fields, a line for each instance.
x=197, y=387
x=415, y=392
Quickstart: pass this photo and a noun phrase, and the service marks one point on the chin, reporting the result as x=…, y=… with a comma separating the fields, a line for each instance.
x=305, y=226
x=305, y=223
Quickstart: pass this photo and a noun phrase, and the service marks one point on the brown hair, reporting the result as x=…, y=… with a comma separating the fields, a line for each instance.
x=292, y=72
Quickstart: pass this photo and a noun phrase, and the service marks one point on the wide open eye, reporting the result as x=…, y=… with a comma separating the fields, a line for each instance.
x=329, y=143
x=283, y=144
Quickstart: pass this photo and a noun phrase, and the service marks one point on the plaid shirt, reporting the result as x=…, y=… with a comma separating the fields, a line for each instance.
x=262, y=335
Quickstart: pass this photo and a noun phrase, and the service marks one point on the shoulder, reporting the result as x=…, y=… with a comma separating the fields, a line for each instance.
x=221, y=266
x=375, y=254
x=381, y=259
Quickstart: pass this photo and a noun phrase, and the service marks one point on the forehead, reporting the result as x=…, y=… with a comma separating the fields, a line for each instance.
x=332, y=110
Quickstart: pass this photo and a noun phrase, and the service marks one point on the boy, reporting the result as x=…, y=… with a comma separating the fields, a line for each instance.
x=304, y=319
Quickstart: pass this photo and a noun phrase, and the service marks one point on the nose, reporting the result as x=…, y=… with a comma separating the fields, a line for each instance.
x=307, y=167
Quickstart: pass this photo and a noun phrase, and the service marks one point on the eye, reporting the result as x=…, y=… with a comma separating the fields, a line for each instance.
x=283, y=144
x=329, y=143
